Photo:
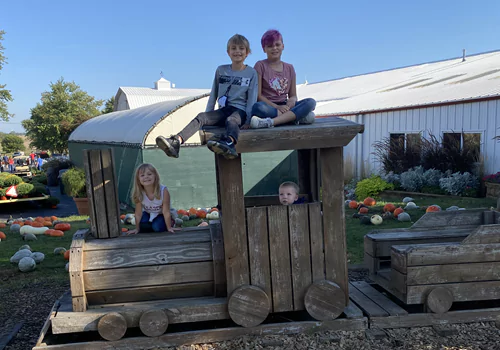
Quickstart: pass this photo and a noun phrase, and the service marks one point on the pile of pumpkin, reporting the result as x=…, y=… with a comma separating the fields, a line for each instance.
x=27, y=260
x=389, y=211
x=29, y=228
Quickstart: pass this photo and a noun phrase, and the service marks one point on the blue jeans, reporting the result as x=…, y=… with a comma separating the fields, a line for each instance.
x=301, y=109
x=157, y=225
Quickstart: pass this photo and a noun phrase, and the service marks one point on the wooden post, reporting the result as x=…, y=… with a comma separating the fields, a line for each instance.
x=233, y=222
x=79, y=299
x=218, y=258
x=332, y=175
x=308, y=173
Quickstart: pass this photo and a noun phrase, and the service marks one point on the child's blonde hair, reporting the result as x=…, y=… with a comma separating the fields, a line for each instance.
x=238, y=39
x=138, y=190
x=291, y=184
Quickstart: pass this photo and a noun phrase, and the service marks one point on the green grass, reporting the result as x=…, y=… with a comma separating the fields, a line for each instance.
x=52, y=269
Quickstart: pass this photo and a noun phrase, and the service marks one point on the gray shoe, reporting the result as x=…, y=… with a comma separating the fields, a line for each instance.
x=259, y=123
x=170, y=146
x=308, y=119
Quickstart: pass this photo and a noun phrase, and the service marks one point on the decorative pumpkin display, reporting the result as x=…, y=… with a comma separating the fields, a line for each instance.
x=214, y=215
x=53, y=218
x=66, y=254
x=192, y=211
x=19, y=255
x=33, y=230
x=39, y=219
x=214, y=209
x=28, y=222
x=353, y=204
x=57, y=233
x=26, y=264
x=201, y=214
x=62, y=226
x=363, y=210
x=36, y=224
x=369, y=201
x=47, y=218
x=3, y=235
x=59, y=251
x=432, y=208
x=182, y=212
x=48, y=232
x=38, y=257
x=47, y=223
x=398, y=211
x=376, y=219
x=2, y=225
x=404, y=217
x=389, y=207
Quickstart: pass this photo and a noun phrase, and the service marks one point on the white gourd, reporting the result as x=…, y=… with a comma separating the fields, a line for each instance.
x=26, y=264
x=34, y=230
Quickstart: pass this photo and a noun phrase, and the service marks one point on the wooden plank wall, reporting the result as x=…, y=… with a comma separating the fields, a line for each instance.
x=102, y=193
x=285, y=252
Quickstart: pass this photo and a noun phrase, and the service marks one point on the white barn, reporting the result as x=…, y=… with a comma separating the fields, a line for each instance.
x=445, y=97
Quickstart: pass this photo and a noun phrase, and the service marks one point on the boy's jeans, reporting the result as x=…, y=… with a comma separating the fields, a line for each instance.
x=301, y=109
x=229, y=116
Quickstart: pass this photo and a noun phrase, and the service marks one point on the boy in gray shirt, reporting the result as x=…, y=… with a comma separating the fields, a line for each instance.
x=235, y=89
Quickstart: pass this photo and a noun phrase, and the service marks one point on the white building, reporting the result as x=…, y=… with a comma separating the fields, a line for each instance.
x=445, y=97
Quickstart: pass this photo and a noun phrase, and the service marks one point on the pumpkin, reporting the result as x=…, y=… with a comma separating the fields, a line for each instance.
x=214, y=209
x=32, y=229
x=39, y=219
x=192, y=211
x=26, y=264
x=389, y=207
x=66, y=254
x=47, y=218
x=432, y=208
x=363, y=210
x=369, y=201
x=182, y=212
x=201, y=214
x=37, y=224
x=3, y=235
x=20, y=223
x=28, y=222
x=398, y=211
x=47, y=223
x=124, y=229
x=57, y=233
x=63, y=226
x=2, y=225
x=3, y=198
x=122, y=216
x=53, y=218
x=48, y=232
x=376, y=219
x=353, y=204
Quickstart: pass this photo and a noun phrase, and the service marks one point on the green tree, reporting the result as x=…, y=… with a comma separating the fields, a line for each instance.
x=109, y=105
x=12, y=143
x=60, y=112
x=5, y=95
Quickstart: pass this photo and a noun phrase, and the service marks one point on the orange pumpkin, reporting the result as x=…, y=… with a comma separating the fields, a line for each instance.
x=353, y=204
x=182, y=212
x=214, y=209
x=39, y=219
x=56, y=233
x=47, y=218
x=47, y=223
x=28, y=222
x=3, y=235
x=66, y=254
x=389, y=207
x=122, y=216
x=201, y=214
x=48, y=232
x=3, y=198
x=192, y=211
x=363, y=210
x=37, y=224
x=124, y=229
x=53, y=218
x=2, y=225
x=432, y=208
x=369, y=201
x=398, y=211
x=62, y=226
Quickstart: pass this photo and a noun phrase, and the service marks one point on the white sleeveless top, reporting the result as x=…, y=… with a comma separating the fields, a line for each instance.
x=153, y=207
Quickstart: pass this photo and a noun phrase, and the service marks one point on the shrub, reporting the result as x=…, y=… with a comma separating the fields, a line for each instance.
x=74, y=183
x=393, y=157
x=371, y=187
x=41, y=178
x=2, y=192
x=458, y=183
x=10, y=180
x=57, y=164
x=24, y=189
x=50, y=202
x=413, y=179
x=431, y=177
x=38, y=190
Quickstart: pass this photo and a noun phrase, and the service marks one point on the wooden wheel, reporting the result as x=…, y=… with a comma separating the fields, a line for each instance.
x=112, y=326
x=153, y=323
x=249, y=306
x=439, y=300
x=325, y=300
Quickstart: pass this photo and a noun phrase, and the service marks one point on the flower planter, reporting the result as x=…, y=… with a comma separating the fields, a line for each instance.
x=82, y=205
x=492, y=189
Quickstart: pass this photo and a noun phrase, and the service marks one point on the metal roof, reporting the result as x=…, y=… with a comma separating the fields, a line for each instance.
x=420, y=85
x=140, y=96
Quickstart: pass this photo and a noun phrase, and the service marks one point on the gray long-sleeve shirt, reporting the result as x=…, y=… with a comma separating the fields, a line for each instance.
x=243, y=91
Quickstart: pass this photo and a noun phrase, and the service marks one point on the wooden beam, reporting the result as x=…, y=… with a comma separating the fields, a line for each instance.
x=220, y=282
x=484, y=234
x=233, y=223
x=90, y=193
x=317, y=242
x=76, y=279
x=366, y=304
x=332, y=175
x=453, y=273
x=268, y=200
x=381, y=300
x=110, y=193
x=450, y=218
x=467, y=291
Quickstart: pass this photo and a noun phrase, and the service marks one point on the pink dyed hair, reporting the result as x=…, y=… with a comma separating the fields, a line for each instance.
x=270, y=37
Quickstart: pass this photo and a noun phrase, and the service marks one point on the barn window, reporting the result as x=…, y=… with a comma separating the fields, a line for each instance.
x=406, y=146
x=463, y=141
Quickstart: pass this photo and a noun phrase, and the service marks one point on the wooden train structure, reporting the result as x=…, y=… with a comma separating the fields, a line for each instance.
x=262, y=269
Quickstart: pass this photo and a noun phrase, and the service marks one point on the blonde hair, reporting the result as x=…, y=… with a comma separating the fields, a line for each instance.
x=291, y=184
x=238, y=39
x=138, y=190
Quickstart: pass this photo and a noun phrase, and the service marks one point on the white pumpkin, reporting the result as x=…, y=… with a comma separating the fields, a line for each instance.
x=25, y=247
x=376, y=219
x=19, y=255
x=27, y=264
x=38, y=257
x=34, y=230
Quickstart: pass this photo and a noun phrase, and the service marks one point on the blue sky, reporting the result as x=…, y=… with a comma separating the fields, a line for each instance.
x=102, y=45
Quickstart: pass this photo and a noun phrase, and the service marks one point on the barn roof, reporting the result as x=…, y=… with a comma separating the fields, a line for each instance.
x=432, y=83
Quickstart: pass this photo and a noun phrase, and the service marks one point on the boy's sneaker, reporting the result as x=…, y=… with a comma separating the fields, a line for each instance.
x=224, y=147
x=259, y=123
x=170, y=146
x=308, y=119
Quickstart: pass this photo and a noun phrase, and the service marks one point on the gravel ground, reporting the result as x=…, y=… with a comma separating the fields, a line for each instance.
x=31, y=306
